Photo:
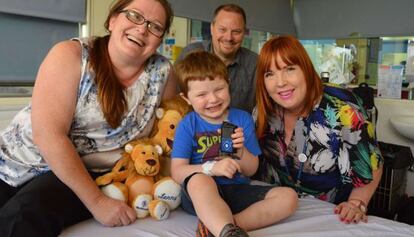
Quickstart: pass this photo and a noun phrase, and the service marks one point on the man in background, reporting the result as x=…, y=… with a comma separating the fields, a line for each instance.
x=227, y=32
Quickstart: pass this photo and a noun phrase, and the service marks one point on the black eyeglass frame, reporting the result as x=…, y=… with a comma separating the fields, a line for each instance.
x=149, y=24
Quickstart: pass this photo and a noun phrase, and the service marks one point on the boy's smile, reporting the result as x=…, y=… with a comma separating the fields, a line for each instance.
x=209, y=98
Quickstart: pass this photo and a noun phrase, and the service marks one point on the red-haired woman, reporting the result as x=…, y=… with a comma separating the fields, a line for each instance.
x=314, y=137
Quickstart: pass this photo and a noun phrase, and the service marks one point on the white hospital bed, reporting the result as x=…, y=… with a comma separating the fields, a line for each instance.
x=314, y=218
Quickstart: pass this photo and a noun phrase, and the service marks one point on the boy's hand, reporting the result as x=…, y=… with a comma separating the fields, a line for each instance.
x=238, y=142
x=238, y=138
x=226, y=167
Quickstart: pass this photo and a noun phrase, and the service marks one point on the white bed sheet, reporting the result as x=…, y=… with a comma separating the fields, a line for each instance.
x=314, y=218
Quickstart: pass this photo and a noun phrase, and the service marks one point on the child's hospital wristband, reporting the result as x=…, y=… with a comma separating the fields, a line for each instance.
x=208, y=166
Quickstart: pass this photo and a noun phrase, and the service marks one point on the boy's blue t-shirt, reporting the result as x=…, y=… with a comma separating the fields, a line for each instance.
x=199, y=141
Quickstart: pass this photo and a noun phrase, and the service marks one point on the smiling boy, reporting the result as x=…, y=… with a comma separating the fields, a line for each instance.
x=216, y=187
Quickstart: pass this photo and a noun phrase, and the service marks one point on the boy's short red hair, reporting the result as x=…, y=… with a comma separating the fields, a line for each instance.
x=197, y=66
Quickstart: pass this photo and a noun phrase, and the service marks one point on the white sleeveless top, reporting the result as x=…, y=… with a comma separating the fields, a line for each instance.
x=97, y=143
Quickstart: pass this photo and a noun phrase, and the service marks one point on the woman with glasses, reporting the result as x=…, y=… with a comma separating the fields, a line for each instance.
x=91, y=97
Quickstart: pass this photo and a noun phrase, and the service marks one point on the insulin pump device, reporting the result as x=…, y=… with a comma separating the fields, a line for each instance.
x=226, y=147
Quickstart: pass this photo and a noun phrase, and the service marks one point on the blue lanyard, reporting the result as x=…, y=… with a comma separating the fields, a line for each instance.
x=302, y=161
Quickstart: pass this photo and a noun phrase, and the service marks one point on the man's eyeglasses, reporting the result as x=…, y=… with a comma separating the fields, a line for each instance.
x=138, y=19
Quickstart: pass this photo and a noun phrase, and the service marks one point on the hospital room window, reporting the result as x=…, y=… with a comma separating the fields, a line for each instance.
x=28, y=32
x=358, y=59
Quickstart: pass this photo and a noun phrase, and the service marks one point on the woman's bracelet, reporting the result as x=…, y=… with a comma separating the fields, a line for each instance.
x=360, y=204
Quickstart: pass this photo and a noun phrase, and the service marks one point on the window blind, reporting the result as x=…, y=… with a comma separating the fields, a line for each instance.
x=29, y=28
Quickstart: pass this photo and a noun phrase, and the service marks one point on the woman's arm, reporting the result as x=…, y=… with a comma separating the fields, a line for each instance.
x=53, y=107
x=365, y=193
x=369, y=158
x=354, y=210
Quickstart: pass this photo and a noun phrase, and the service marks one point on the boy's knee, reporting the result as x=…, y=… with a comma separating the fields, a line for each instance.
x=199, y=180
x=284, y=194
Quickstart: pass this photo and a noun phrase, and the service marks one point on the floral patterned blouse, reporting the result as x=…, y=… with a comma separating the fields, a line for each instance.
x=339, y=144
x=98, y=145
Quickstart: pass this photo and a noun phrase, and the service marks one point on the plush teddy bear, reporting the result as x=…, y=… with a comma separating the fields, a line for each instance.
x=168, y=115
x=133, y=180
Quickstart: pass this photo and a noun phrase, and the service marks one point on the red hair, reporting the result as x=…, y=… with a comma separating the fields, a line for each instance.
x=291, y=52
x=197, y=66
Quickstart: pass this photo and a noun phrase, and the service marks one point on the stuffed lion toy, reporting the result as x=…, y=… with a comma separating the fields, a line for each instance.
x=133, y=180
x=168, y=116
